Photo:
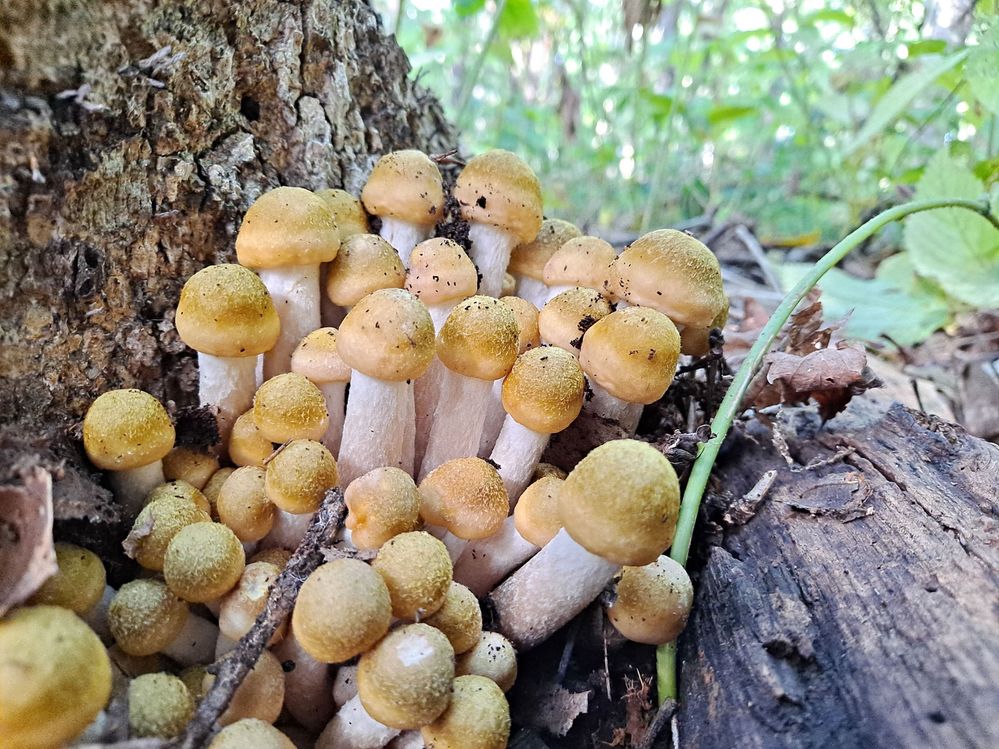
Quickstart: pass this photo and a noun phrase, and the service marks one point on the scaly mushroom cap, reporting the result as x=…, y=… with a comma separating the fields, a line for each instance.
x=78, y=584
x=621, y=501
x=156, y=525
x=250, y=732
x=536, y=514
x=526, y=314
x=193, y=466
x=225, y=310
x=289, y=407
x=214, y=486
x=477, y=717
x=652, y=603
x=672, y=272
x=499, y=189
x=530, y=257
x=287, y=226
x=55, y=677
x=566, y=318
x=145, y=616
x=203, y=562
x=405, y=185
x=544, y=470
x=583, y=261
x=459, y=618
x=366, y=263
x=317, y=358
x=417, y=572
x=632, y=354
x=126, y=429
x=388, y=335
x=247, y=444
x=544, y=390
x=441, y=272
x=479, y=338
x=466, y=496
x=244, y=603
x=348, y=213
x=405, y=681
x=299, y=475
x=243, y=504
x=179, y=489
x=493, y=657
x=158, y=705
x=260, y=695
x=342, y=610
x=275, y=555
x=382, y=503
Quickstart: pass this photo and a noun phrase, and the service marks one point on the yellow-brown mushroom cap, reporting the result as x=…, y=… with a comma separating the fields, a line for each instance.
x=342, y=610
x=621, y=501
x=225, y=310
x=145, y=616
x=179, y=489
x=544, y=391
x=317, y=358
x=479, y=338
x=55, y=677
x=190, y=465
x=388, y=335
x=156, y=525
x=694, y=339
x=299, y=475
x=260, y=695
x=652, y=603
x=498, y=188
x=466, y=496
x=530, y=257
x=126, y=429
x=440, y=272
x=526, y=314
x=405, y=185
x=214, y=486
x=381, y=504
x=203, y=562
x=287, y=226
x=582, y=261
x=477, y=717
x=536, y=514
x=243, y=504
x=244, y=603
x=417, y=572
x=289, y=407
x=366, y=263
x=405, y=681
x=247, y=444
x=459, y=618
x=493, y=657
x=275, y=555
x=348, y=213
x=565, y=318
x=250, y=732
x=159, y=704
x=79, y=582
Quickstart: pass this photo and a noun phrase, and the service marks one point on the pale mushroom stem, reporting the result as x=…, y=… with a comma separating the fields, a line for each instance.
x=603, y=404
x=344, y=685
x=407, y=740
x=132, y=485
x=427, y=393
x=308, y=690
x=335, y=395
x=487, y=561
x=404, y=236
x=374, y=426
x=553, y=291
x=457, y=424
x=295, y=292
x=224, y=645
x=517, y=453
x=455, y=546
x=495, y=416
x=532, y=289
x=195, y=645
x=409, y=431
x=288, y=530
x=556, y=584
x=228, y=383
x=491, y=248
x=353, y=728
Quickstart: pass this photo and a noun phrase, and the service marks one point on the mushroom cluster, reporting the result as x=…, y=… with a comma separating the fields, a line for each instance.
x=403, y=370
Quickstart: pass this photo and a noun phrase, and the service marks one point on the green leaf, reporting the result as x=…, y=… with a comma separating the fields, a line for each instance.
x=982, y=72
x=727, y=113
x=898, y=98
x=926, y=47
x=519, y=20
x=953, y=246
x=830, y=16
x=466, y=8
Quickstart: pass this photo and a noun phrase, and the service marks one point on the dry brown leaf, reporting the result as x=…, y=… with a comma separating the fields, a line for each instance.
x=551, y=707
x=27, y=554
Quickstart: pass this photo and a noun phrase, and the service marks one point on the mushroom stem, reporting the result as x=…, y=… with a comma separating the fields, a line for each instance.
x=334, y=394
x=408, y=740
x=607, y=406
x=344, y=685
x=295, y=292
x=457, y=424
x=553, y=291
x=427, y=392
x=308, y=684
x=224, y=645
x=555, y=585
x=491, y=248
x=531, y=289
x=288, y=530
x=495, y=415
x=517, y=453
x=374, y=426
x=196, y=642
x=330, y=314
x=404, y=236
x=133, y=484
x=455, y=546
x=487, y=561
x=353, y=728
x=409, y=431
x=228, y=383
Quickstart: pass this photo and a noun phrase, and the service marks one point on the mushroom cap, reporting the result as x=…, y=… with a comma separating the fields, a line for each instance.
x=459, y=618
x=498, y=188
x=260, y=695
x=417, y=572
x=405, y=681
x=547, y=469
x=317, y=358
x=544, y=390
x=536, y=514
x=652, y=603
x=214, y=485
x=179, y=489
x=348, y=213
x=621, y=501
x=632, y=354
x=126, y=429
x=299, y=475
x=287, y=226
x=508, y=286
x=203, y=562
x=674, y=273
x=274, y=555
x=388, y=335
x=530, y=257
x=479, y=338
x=365, y=263
x=145, y=616
x=582, y=261
x=564, y=320
x=190, y=465
x=243, y=504
x=466, y=496
x=405, y=185
x=250, y=732
x=244, y=603
x=194, y=679
x=156, y=525
x=158, y=705
x=441, y=272
x=247, y=444
x=342, y=610
x=526, y=314
x=225, y=310
x=694, y=339
x=55, y=677
x=79, y=582
x=494, y=657
x=477, y=717
x=289, y=407
x=381, y=504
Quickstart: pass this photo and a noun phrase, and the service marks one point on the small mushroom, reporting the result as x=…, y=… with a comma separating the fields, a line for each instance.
x=477, y=717
x=566, y=317
x=158, y=705
x=381, y=504
x=243, y=504
x=203, y=562
x=528, y=260
x=366, y=263
x=318, y=359
x=214, y=486
x=299, y=475
x=493, y=657
x=247, y=444
x=416, y=570
x=308, y=684
x=651, y=603
x=180, y=489
x=582, y=261
x=459, y=618
x=79, y=585
x=155, y=527
x=289, y=407
x=241, y=606
x=193, y=466
x=351, y=219
x=260, y=695
x=250, y=732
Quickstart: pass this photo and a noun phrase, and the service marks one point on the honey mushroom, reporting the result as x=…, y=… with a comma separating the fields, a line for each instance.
x=193, y=466
x=528, y=260
x=260, y=695
x=492, y=656
x=565, y=318
x=247, y=445
x=180, y=489
x=203, y=562
x=159, y=704
x=351, y=219
x=416, y=570
x=381, y=504
x=318, y=359
x=651, y=604
x=250, y=732
x=581, y=261
x=155, y=527
x=243, y=504
x=459, y=618
x=241, y=606
x=80, y=585
x=477, y=717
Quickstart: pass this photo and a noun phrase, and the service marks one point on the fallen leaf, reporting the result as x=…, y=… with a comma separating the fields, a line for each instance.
x=825, y=369
x=139, y=531
x=551, y=707
x=27, y=554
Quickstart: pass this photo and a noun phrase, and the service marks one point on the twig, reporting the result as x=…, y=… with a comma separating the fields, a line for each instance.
x=666, y=711
x=752, y=244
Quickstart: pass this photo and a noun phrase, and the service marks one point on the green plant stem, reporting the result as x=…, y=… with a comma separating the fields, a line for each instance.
x=731, y=405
